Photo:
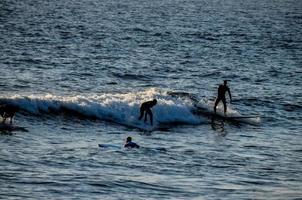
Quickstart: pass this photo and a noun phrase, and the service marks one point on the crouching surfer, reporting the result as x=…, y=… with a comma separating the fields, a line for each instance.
x=146, y=109
x=8, y=111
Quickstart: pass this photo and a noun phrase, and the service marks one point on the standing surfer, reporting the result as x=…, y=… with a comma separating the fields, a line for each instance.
x=222, y=89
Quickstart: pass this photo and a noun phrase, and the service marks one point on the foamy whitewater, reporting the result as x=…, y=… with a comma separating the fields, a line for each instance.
x=79, y=71
x=110, y=107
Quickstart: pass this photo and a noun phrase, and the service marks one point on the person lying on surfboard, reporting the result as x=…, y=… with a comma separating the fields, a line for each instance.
x=222, y=89
x=130, y=144
x=146, y=109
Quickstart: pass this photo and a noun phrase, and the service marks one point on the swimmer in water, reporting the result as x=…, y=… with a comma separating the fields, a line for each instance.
x=222, y=89
x=130, y=144
x=146, y=108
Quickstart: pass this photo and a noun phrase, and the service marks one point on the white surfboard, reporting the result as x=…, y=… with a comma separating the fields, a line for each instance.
x=114, y=146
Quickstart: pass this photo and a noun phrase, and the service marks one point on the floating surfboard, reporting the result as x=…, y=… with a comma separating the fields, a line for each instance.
x=120, y=147
x=110, y=146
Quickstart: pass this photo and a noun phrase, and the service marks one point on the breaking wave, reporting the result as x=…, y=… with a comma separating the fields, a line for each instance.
x=116, y=107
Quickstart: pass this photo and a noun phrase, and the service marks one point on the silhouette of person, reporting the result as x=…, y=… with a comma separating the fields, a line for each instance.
x=8, y=111
x=222, y=89
x=146, y=108
x=130, y=144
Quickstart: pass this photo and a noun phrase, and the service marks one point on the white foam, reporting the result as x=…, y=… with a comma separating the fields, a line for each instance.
x=114, y=107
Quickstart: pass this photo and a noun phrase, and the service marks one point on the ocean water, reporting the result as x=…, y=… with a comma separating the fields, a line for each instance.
x=79, y=71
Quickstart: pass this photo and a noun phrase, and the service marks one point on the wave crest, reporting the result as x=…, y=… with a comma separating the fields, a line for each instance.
x=117, y=107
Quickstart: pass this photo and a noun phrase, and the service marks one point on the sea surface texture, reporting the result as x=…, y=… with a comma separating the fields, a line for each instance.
x=79, y=70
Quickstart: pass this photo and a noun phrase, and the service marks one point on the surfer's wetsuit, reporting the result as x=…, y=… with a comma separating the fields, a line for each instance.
x=222, y=89
x=131, y=145
x=146, y=108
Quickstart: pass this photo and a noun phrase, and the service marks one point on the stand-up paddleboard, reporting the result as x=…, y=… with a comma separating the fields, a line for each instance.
x=9, y=127
x=233, y=116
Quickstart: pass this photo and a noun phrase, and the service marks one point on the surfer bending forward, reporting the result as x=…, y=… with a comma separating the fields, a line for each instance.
x=8, y=111
x=146, y=108
x=222, y=89
x=130, y=144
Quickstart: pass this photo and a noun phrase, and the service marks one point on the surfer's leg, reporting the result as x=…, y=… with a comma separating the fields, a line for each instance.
x=146, y=114
x=224, y=105
x=151, y=116
x=142, y=114
x=216, y=103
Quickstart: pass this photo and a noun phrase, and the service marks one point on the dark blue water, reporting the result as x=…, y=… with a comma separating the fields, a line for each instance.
x=79, y=71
